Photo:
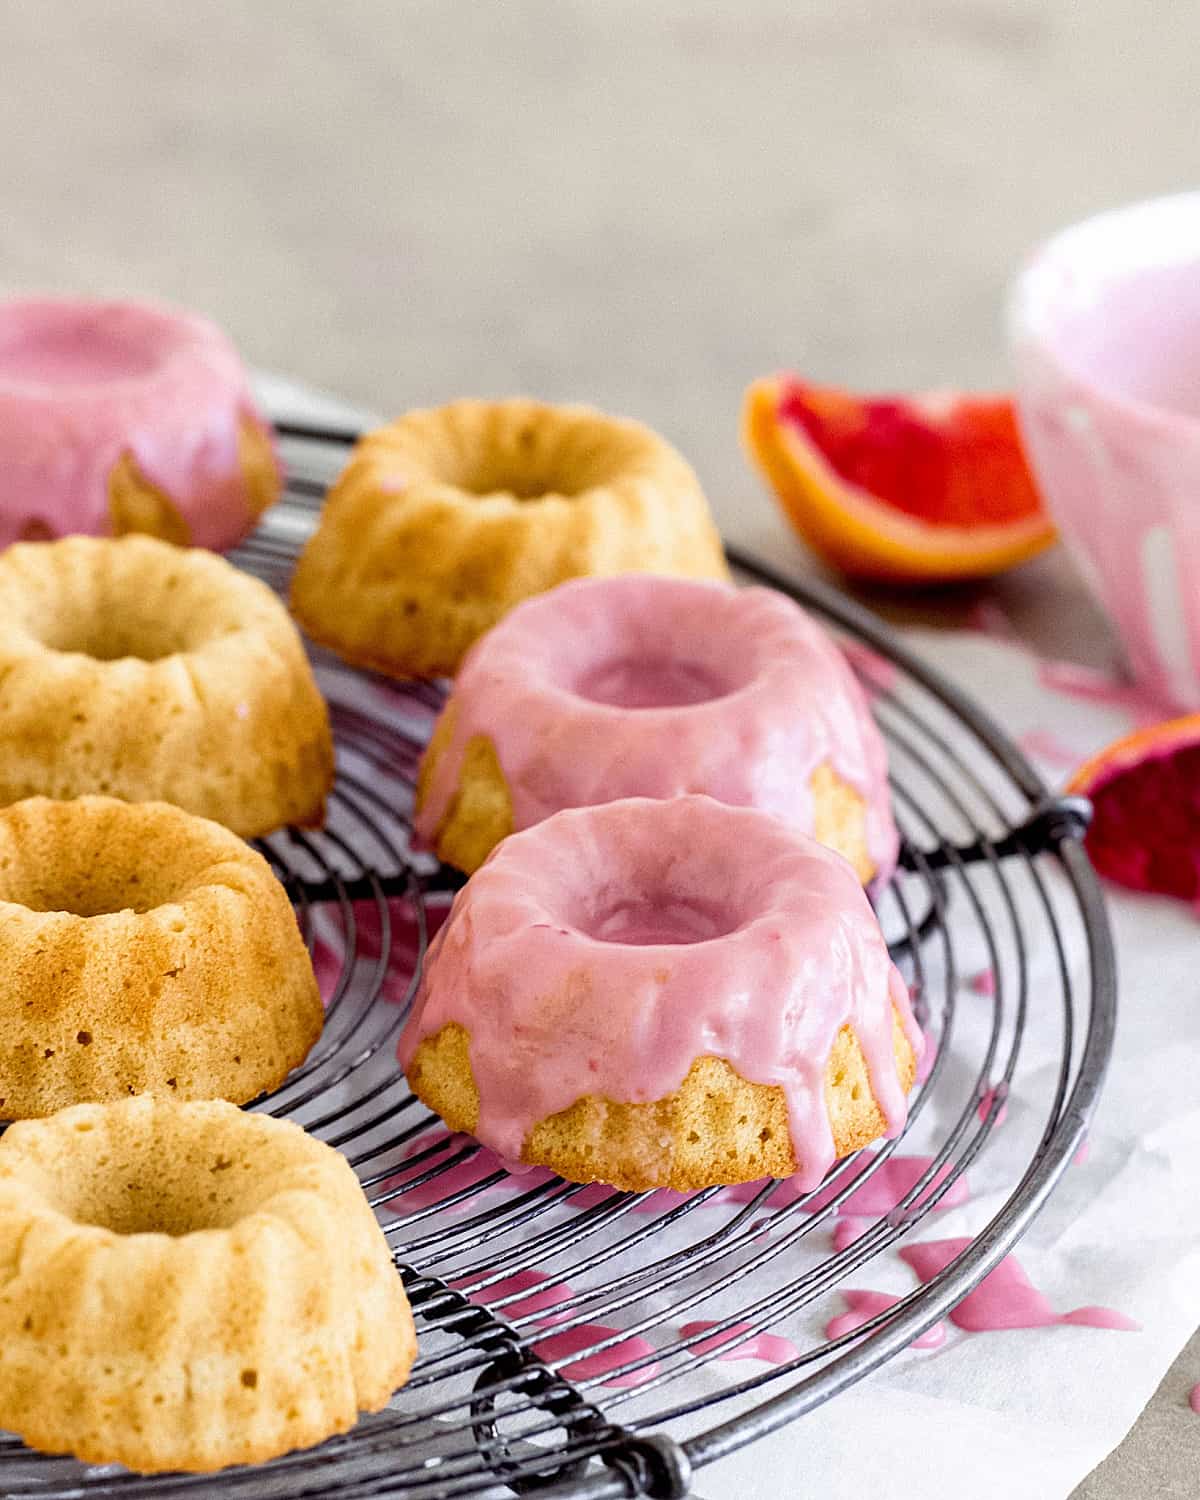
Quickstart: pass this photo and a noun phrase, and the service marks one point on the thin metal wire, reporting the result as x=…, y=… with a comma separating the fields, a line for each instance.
x=991, y=867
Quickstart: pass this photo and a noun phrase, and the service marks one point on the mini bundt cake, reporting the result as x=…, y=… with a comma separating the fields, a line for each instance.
x=152, y=672
x=447, y=518
x=664, y=994
x=126, y=416
x=649, y=687
x=143, y=950
x=187, y=1286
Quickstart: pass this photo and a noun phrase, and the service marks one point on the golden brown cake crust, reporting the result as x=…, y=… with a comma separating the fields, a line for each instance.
x=149, y=672
x=445, y=519
x=480, y=813
x=143, y=950
x=187, y=1286
x=715, y=1129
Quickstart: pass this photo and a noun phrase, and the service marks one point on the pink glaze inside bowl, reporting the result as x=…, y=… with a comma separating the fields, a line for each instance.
x=1105, y=329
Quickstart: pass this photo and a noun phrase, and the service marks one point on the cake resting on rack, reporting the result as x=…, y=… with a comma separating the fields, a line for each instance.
x=664, y=994
x=652, y=687
x=445, y=519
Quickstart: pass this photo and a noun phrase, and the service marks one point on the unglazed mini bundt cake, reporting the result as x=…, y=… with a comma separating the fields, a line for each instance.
x=664, y=994
x=447, y=518
x=649, y=687
x=143, y=950
x=126, y=416
x=153, y=672
x=187, y=1286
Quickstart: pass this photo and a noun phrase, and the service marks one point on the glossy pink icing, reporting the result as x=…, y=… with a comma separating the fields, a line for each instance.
x=862, y=1306
x=1106, y=333
x=739, y=1341
x=83, y=383
x=555, y=1013
x=560, y=1346
x=846, y=1231
x=696, y=687
x=1005, y=1298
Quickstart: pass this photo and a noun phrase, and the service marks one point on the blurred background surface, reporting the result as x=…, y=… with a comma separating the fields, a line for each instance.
x=641, y=203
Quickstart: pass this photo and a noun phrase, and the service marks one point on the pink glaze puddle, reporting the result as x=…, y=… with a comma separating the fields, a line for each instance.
x=454, y=1179
x=85, y=383
x=983, y=983
x=846, y=1231
x=328, y=953
x=543, y=1298
x=1043, y=744
x=542, y=685
x=643, y=923
x=771, y=1348
x=1082, y=1152
x=862, y=1306
x=1194, y=1399
x=1089, y=686
x=554, y=1016
x=560, y=1346
x=988, y=1098
x=890, y=1182
x=1005, y=1298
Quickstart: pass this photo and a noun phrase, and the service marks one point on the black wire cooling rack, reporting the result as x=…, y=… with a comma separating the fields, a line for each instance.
x=570, y=1335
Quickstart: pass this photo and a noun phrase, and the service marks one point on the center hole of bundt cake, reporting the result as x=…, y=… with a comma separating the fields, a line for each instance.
x=642, y=921
x=141, y=1187
x=61, y=345
x=650, y=682
x=92, y=892
x=115, y=639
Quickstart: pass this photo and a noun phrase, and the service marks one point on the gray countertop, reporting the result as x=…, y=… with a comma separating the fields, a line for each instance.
x=642, y=203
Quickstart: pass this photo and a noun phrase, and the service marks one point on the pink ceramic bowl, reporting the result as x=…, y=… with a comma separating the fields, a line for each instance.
x=1105, y=330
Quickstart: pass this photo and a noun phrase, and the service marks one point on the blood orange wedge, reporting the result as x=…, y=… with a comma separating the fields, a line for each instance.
x=1146, y=793
x=912, y=489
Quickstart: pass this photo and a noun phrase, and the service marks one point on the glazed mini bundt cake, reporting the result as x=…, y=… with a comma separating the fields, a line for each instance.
x=187, y=1286
x=664, y=994
x=127, y=416
x=447, y=518
x=151, y=672
x=648, y=687
x=143, y=950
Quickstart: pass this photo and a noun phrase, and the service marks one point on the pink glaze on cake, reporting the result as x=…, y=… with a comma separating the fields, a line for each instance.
x=639, y=686
x=86, y=383
x=764, y=946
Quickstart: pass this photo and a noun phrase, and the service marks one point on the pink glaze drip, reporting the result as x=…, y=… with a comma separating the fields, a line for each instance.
x=988, y=1099
x=1005, y=1298
x=554, y=1014
x=570, y=1341
x=543, y=1298
x=1194, y=1399
x=739, y=1341
x=749, y=695
x=927, y=1058
x=846, y=1231
x=862, y=1306
x=1082, y=1152
x=83, y=383
x=983, y=983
